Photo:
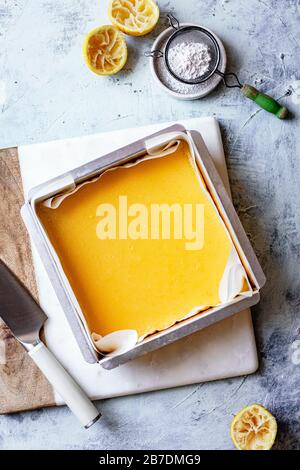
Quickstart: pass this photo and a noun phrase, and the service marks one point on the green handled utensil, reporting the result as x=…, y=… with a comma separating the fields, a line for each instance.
x=265, y=101
x=262, y=100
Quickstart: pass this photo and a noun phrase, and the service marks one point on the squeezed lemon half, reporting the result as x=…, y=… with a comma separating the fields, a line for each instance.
x=253, y=428
x=134, y=17
x=105, y=50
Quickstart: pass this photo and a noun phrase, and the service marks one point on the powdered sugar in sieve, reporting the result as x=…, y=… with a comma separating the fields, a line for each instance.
x=190, y=60
x=171, y=84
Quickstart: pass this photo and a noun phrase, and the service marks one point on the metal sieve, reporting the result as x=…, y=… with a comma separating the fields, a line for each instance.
x=198, y=34
x=193, y=34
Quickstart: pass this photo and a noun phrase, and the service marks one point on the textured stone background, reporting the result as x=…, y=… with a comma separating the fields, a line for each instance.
x=47, y=93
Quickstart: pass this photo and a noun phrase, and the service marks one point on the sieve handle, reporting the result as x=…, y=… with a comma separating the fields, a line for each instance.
x=264, y=101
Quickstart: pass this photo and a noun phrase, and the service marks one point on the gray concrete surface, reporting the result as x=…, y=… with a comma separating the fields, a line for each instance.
x=46, y=93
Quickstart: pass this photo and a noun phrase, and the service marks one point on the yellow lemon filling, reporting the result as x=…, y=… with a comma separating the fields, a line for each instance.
x=123, y=271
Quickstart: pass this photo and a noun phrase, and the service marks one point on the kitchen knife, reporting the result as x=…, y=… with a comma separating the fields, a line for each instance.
x=25, y=319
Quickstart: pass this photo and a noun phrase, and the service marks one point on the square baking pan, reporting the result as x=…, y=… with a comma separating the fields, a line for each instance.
x=136, y=150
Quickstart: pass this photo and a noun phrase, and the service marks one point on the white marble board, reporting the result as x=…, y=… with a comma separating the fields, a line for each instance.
x=223, y=350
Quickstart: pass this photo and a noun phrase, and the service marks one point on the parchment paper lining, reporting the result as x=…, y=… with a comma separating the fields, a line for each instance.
x=55, y=201
x=234, y=274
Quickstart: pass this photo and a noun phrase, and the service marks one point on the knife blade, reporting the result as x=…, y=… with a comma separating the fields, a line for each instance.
x=18, y=309
x=25, y=318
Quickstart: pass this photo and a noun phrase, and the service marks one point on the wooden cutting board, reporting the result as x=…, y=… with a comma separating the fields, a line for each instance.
x=22, y=386
x=226, y=349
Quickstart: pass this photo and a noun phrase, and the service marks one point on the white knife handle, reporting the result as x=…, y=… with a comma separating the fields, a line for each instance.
x=63, y=383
